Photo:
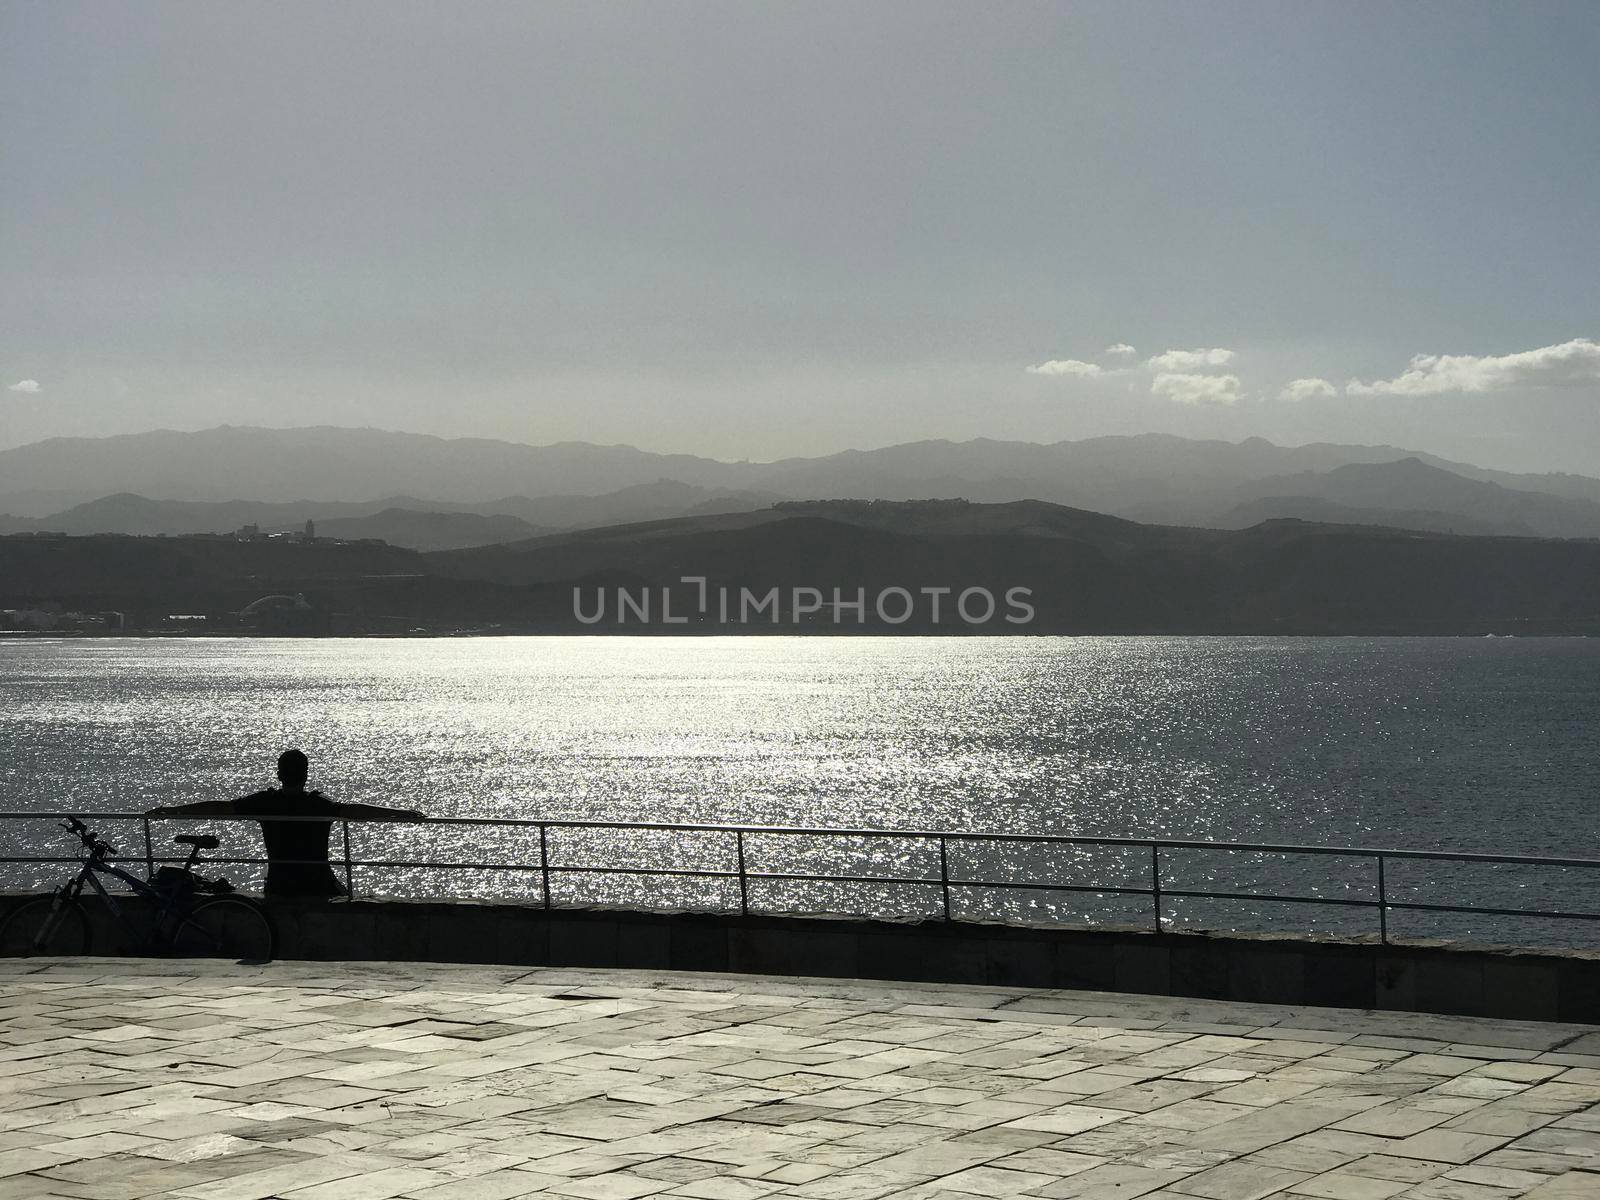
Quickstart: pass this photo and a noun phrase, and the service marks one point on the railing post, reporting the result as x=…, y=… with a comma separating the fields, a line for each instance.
x=744, y=881
x=1155, y=881
x=544, y=860
x=944, y=875
x=149, y=850
x=1383, y=905
x=349, y=875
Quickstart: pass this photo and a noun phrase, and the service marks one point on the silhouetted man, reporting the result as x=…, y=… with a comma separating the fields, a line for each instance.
x=297, y=851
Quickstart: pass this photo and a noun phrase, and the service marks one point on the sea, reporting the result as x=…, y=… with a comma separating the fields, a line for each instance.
x=1467, y=745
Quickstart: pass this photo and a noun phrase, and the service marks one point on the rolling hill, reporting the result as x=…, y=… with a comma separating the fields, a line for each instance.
x=402, y=520
x=1330, y=512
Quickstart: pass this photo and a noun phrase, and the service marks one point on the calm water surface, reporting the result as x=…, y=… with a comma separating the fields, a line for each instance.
x=1466, y=744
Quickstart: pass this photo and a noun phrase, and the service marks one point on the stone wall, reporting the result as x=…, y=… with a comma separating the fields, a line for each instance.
x=1278, y=969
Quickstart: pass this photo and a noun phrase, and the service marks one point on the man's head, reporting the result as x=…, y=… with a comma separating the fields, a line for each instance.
x=292, y=769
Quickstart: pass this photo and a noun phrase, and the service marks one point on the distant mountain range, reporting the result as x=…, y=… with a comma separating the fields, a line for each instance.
x=1412, y=494
x=1083, y=572
x=219, y=479
x=327, y=463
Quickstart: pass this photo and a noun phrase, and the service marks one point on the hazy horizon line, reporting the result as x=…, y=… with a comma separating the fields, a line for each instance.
x=922, y=441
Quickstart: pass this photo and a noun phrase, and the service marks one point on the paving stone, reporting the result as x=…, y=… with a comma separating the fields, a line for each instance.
x=996, y=1181
x=616, y=1185
x=1057, y=1163
x=1067, y=1119
x=1267, y=1127
x=374, y=1185
x=1447, y=1146
x=1114, y=1181
x=1345, y=1185
x=1403, y=1170
x=1529, y=1160
x=273, y=1181
x=1579, y=1185
x=1515, y=1182
x=496, y=1185
x=1451, y=1189
x=1500, y=1119
x=1239, y=1181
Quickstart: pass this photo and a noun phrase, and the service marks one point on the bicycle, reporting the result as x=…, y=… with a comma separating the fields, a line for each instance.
x=193, y=916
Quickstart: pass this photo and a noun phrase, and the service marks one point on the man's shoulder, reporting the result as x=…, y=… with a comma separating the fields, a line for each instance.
x=265, y=801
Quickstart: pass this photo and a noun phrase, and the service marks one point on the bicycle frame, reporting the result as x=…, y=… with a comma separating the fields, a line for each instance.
x=165, y=905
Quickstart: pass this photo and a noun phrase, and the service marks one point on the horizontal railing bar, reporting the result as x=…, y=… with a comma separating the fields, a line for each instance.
x=1272, y=899
x=922, y=834
x=140, y=859
x=553, y=868
x=1496, y=912
x=712, y=873
x=794, y=877
x=1054, y=887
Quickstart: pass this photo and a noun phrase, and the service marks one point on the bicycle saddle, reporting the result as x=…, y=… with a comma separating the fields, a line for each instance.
x=201, y=841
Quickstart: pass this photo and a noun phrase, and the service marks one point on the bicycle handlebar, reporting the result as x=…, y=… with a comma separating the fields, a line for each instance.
x=88, y=837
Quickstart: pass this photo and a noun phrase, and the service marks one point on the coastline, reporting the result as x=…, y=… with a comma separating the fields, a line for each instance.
x=1590, y=631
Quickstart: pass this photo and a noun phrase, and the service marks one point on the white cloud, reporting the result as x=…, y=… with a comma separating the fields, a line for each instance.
x=1307, y=389
x=1066, y=366
x=29, y=386
x=1571, y=364
x=1197, y=389
x=1120, y=350
x=1188, y=360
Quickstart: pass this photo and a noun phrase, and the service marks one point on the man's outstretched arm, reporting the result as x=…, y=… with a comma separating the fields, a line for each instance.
x=201, y=808
x=376, y=812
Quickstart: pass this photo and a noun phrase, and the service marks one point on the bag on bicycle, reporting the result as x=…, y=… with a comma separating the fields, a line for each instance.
x=177, y=882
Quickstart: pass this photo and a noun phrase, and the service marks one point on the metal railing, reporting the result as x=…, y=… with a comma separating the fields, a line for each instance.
x=1157, y=890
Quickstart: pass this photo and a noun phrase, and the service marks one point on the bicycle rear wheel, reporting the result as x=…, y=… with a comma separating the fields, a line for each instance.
x=230, y=927
x=46, y=927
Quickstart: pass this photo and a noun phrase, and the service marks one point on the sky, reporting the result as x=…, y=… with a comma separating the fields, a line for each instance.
x=755, y=230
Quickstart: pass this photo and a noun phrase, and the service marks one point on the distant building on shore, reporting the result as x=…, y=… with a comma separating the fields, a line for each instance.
x=55, y=620
x=284, y=614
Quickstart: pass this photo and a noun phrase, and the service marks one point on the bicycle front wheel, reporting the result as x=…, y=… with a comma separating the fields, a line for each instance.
x=46, y=927
x=231, y=927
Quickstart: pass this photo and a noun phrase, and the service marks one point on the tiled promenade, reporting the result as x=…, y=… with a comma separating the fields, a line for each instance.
x=123, y=1079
